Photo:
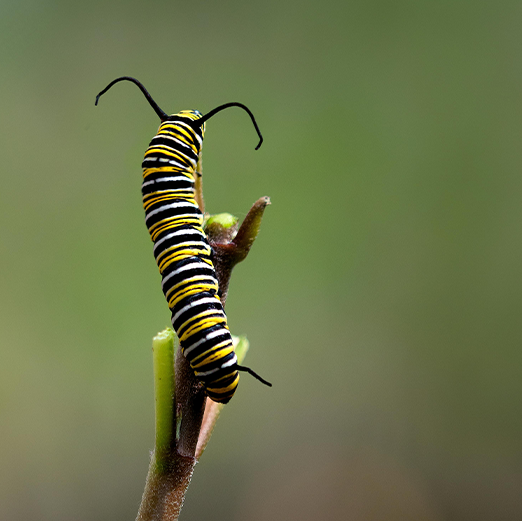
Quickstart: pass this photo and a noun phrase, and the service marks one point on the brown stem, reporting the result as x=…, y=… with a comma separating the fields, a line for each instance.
x=165, y=489
x=190, y=406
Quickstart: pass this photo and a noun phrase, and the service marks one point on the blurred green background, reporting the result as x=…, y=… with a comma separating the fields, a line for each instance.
x=382, y=297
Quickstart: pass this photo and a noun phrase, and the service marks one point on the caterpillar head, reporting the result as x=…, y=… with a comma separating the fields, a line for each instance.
x=190, y=117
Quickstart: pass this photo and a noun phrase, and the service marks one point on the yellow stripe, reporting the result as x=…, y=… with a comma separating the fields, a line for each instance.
x=168, y=152
x=196, y=289
x=186, y=282
x=181, y=193
x=167, y=169
x=224, y=390
x=171, y=222
x=227, y=375
x=164, y=129
x=197, y=318
x=205, y=249
x=204, y=324
x=159, y=190
x=174, y=191
x=167, y=197
x=170, y=148
x=182, y=254
x=213, y=355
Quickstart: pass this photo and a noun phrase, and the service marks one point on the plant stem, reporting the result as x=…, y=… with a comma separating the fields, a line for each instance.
x=172, y=461
x=165, y=490
x=190, y=408
x=164, y=395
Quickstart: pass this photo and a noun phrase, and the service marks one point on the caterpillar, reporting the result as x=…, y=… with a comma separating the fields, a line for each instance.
x=181, y=249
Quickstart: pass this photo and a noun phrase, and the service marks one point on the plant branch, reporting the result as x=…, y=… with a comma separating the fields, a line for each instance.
x=230, y=245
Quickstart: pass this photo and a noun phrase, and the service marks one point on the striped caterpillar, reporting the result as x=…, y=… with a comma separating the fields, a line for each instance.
x=181, y=249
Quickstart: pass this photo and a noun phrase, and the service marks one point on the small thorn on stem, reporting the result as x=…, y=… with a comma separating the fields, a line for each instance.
x=231, y=246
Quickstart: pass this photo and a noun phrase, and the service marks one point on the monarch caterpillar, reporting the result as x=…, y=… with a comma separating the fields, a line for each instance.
x=181, y=249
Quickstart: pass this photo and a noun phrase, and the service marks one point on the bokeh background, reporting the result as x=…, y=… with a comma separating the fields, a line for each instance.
x=382, y=297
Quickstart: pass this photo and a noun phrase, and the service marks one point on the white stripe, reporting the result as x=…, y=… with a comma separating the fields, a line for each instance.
x=210, y=336
x=167, y=206
x=164, y=136
x=206, y=373
x=216, y=333
x=193, y=346
x=164, y=160
x=168, y=179
x=193, y=304
x=230, y=362
x=179, y=232
x=193, y=265
x=174, y=150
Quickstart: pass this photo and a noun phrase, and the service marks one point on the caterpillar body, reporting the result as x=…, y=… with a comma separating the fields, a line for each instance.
x=181, y=249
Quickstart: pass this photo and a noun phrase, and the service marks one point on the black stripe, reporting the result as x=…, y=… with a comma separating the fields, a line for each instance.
x=188, y=181
x=167, y=185
x=197, y=308
x=216, y=313
x=186, y=209
x=152, y=160
x=224, y=336
x=200, y=248
x=178, y=238
x=163, y=234
x=182, y=148
x=174, y=132
x=215, y=365
x=202, y=269
x=168, y=288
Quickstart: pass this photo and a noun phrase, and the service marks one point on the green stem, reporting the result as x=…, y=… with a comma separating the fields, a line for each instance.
x=164, y=395
x=169, y=471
